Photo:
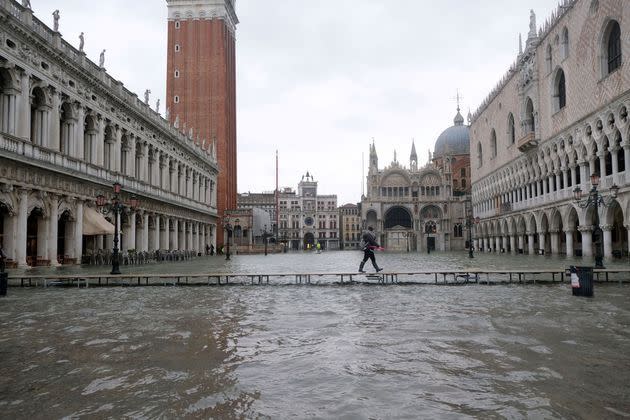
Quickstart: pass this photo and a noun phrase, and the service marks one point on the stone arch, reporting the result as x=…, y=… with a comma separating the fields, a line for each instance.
x=371, y=218
x=610, y=29
x=559, y=89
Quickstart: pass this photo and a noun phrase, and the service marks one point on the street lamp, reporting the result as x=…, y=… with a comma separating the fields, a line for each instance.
x=228, y=227
x=117, y=206
x=265, y=236
x=469, y=225
x=595, y=199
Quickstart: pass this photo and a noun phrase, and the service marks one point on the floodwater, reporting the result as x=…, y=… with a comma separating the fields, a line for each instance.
x=354, y=351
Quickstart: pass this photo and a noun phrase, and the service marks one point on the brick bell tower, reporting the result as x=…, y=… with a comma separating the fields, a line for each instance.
x=201, y=83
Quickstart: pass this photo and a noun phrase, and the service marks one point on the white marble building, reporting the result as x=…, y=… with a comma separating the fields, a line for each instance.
x=68, y=131
x=559, y=115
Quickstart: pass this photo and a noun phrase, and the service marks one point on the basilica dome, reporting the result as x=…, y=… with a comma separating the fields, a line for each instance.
x=454, y=140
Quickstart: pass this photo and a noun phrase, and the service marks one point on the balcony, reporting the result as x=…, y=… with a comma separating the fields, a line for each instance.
x=528, y=142
x=19, y=150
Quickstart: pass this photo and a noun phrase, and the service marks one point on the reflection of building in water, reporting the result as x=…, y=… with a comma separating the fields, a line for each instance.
x=421, y=208
x=68, y=131
x=559, y=116
x=307, y=218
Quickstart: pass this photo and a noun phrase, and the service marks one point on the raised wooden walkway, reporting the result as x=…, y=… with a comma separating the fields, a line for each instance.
x=435, y=277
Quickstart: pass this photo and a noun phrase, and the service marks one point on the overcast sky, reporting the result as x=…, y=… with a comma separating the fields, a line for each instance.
x=317, y=80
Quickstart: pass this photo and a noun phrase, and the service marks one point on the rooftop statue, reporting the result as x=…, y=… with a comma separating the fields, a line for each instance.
x=81, y=42
x=146, y=96
x=157, y=106
x=56, y=20
x=532, y=24
x=26, y=3
x=101, y=61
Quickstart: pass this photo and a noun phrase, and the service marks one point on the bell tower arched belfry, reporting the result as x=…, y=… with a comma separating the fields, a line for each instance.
x=201, y=82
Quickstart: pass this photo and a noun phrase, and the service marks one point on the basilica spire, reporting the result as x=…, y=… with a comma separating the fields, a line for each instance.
x=413, y=157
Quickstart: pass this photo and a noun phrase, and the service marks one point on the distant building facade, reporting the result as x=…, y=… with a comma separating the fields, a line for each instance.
x=350, y=228
x=559, y=116
x=307, y=218
x=68, y=131
x=420, y=208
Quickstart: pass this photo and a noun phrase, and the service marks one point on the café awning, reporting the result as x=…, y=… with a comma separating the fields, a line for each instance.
x=95, y=224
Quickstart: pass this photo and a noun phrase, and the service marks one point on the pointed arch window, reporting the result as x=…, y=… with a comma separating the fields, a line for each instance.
x=479, y=155
x=493, y=144
x=613, y=45
x=565, y=43
x=559, y=91
x=511, y=129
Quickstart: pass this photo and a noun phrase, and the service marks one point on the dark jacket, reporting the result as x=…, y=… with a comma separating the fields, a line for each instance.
x=368, y=240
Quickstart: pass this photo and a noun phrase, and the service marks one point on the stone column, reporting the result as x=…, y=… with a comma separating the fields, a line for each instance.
x=190, y=237
x=513, y=249
x=587, y=240
x=497, y=244
x=530, y=243
x=145, y=232
x=131, y=235
x=78, y=232
x=584, y=168
x=602, y=164
x=155, y=243
x=573, y=177
x=558, y=183
x=175, y=235
x=626, y=154
x=166, y=238
x=628, y=230
x=555, y=242
x=22, y=218
x=565, y=178
x=504, y=243
x=568, y=234
x=51, y=138
x=53, y=233
x=10, y=222
x=607, y=231
x=79, y=136
x=521, y=244
x=541, y=242
x=23, y=107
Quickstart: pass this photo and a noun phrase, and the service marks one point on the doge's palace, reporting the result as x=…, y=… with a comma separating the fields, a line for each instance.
x=558, y=116
x=68, y=131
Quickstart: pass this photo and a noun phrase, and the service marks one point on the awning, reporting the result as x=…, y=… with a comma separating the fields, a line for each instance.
x=95, y=224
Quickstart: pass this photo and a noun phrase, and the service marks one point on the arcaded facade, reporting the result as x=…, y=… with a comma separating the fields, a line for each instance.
x=68, y=131
x=558, y=116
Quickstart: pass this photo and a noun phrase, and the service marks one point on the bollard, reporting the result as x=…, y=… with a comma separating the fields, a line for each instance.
x=4, y=279
x=582, y=281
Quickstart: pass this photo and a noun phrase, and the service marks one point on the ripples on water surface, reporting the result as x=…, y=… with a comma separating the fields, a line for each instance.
x=355, y=351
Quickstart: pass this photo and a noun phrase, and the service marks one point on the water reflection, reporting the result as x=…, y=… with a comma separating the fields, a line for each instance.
x=316, y=352
x=344, y=261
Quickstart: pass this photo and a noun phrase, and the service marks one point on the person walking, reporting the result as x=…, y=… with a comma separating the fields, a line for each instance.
x=369, y=244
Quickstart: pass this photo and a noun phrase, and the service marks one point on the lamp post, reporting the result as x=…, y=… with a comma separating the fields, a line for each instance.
x=595, y=199
x=469, y=225
x=117, y=206
x=265, y=236
x=228, y=227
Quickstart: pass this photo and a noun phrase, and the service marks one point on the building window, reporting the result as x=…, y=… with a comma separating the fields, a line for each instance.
x=559, y=91
x=565, y=43
x=493, y=144
x=176, y=99
x=511, y=129
x=462, y=172
x=177, y=74
x=530, y=122
x=548, y=59
x=177, y=48
x=613, y=46
x=177, y=24
x=463, y=184
x=479, y=155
